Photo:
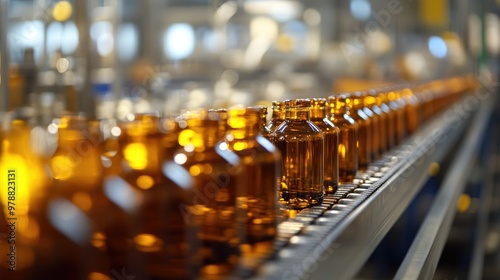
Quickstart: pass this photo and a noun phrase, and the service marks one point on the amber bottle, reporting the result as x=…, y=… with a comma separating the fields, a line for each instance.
x=348, y=136
x=261, y=173
x=278, y=115
x=216, y=177
x=264, y=130
x=390, y=120
x=398, y=104
x=301, y=144
x=365, y=129
x=74, y=218
x=374, y=142
x=25, y=187
x=412, y=110
x=372, y=103
x=158, y=195
x=331, y=139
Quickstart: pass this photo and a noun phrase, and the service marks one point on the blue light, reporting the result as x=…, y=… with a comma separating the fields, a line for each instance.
x=360, y=9
x=437, y=47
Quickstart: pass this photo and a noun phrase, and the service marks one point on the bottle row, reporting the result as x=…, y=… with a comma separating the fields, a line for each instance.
x=193, y=196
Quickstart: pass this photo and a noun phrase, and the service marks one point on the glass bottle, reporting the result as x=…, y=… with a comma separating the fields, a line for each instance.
x=256, y=196
x=278, y=116
x=331, y=140
x=364, y=129
x=398, y=104
x=216, y=178
x=382, y=103
x=171, y=128
x=374, y=142
x=75, y=216
x=158, y=195
x=348, y=136
x=264, y=130
x=412, y=111
x=372, y=104
x=23, y=172
x=301, y=144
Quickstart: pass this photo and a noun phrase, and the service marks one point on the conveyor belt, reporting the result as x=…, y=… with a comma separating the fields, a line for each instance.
x=337, y=237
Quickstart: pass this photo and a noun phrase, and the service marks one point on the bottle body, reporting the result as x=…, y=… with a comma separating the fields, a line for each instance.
x=216, y=178
x=260, y=174
x=331, y=141
x=301, y=144
x=348, y=137
x=365, y=131
x=161, y=240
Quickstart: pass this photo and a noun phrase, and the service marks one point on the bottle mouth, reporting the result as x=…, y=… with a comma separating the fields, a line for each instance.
x=339, y=101
x=241, y=117
x=318, y=103
x=297, y=103
x=141, y=124
x=204, y=117
x=278, y=106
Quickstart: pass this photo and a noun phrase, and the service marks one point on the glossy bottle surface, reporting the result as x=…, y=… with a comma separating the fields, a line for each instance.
x=278, y=115
x=301, y=144
x=216, y=177
x=374, y=141
x=348, y=136
x=365, y=130
x=261, y=172
x=371, y=103
x=76, y=211
x=157, y=194
x=264, y=129
x=25, y=187
x=331, y=140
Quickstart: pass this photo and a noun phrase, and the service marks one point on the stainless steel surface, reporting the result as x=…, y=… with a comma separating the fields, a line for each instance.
x=476, y=267
x=4, y=57
x=345, y=237
x=422, y=258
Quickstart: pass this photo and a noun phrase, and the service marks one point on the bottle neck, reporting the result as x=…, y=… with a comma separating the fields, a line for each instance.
x=338, y=111
x=298, y=114
x=318, y=113
x=246, y=132
x=143, y=152
x=278, y=115
x=208, y=136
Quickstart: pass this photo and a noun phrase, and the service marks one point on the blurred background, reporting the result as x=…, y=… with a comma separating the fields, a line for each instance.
x=110, y=57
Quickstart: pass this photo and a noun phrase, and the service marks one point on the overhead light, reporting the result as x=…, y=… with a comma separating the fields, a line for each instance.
x=280, y=10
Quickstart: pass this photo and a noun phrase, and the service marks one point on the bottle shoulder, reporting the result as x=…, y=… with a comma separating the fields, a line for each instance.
x=326, y=125
x=343, y=121
x=297, y=127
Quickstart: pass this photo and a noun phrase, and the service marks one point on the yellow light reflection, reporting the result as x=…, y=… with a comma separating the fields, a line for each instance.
x=463, y=203
x=62, y=11
x=240, y=145
x=236, y=122
x=342, y=150
x=148, y=243
x=195, y=170
x=82, y=200
x=185, y=137
x=136, y=155
x=207, y=168
x=62, y=167
x=145, y=182
x=98, y=240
